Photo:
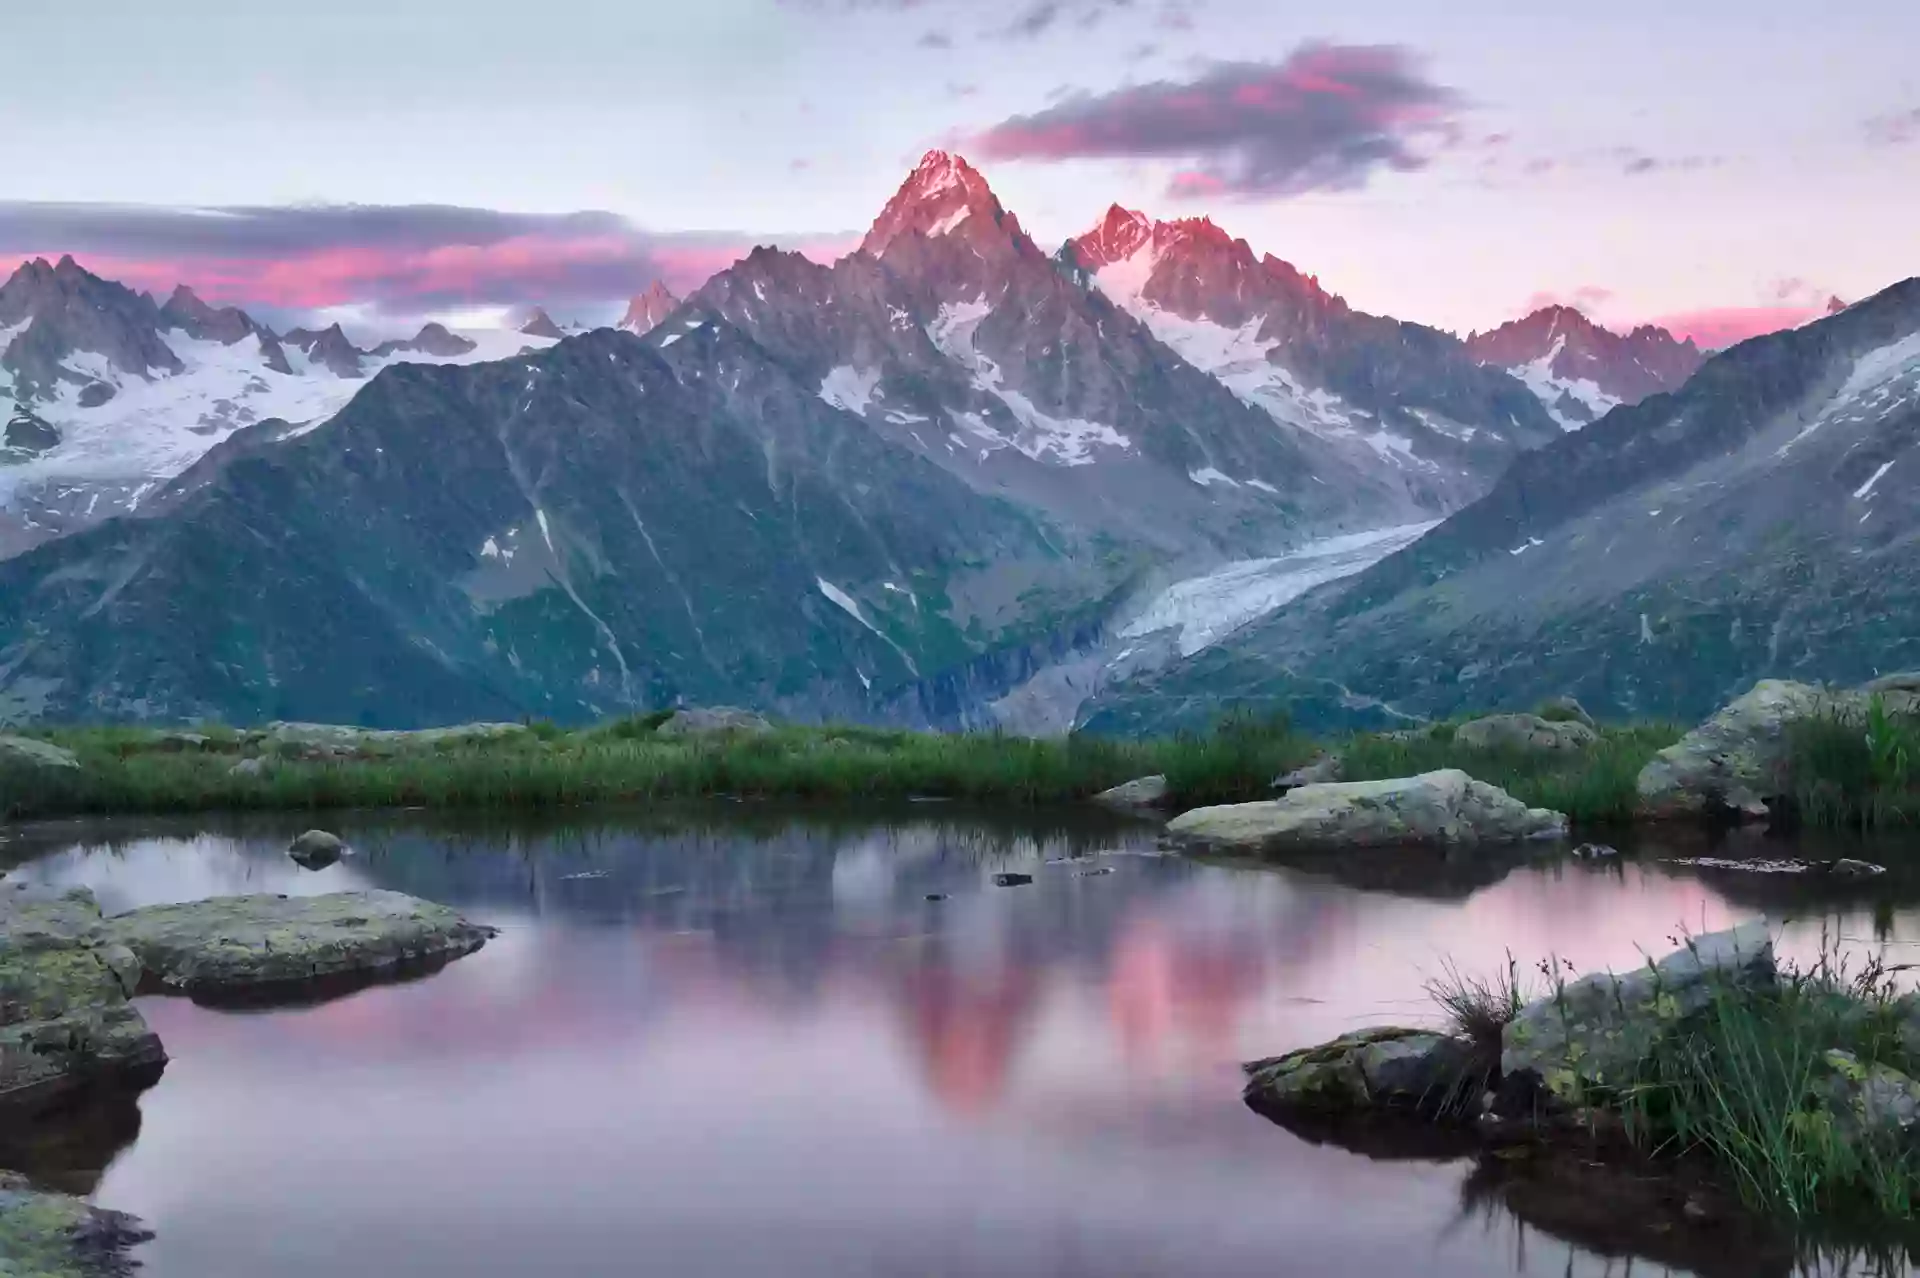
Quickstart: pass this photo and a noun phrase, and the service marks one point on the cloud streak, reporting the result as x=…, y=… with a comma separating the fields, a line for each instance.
x=1326, y=118
x=397, y=259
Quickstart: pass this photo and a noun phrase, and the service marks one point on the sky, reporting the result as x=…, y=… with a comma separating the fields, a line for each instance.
x=1720, y=166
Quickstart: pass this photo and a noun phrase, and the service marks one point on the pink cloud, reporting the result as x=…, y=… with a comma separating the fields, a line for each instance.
x=402, y=260
x=1324, y=118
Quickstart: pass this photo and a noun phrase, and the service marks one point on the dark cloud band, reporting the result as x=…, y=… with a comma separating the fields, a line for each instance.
x=1325, y=118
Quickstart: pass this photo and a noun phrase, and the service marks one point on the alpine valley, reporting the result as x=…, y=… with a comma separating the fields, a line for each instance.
x=952, y=479
x=1760, y=521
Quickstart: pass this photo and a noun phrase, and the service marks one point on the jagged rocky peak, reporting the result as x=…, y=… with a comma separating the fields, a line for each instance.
x=433, y=339
x=64, y=310
x=1121, y=234
x=329, y=348
x=186, y=312
x=540, y=324
x=647, y=309
x=943, y=196
x=1560, y=351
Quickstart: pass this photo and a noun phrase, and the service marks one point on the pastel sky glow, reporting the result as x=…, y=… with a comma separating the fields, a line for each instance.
x=1721, y=166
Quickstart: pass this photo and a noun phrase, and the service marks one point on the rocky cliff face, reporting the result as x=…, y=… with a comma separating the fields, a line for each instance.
x=1580, y=370
x=1405, y=404
x=1761, y=521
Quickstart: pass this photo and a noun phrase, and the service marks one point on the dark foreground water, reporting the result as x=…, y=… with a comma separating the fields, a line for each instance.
x=742, y=1041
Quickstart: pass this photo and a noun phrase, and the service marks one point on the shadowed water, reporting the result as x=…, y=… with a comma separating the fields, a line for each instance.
x=743, y=1041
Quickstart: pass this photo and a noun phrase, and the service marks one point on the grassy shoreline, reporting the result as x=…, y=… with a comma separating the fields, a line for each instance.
x=1842, y=774
x=130, y=770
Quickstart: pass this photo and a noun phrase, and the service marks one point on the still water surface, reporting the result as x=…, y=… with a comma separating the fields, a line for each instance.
x=744, y=1042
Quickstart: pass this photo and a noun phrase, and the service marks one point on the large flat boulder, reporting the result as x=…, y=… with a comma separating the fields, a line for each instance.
x=709, y=720
x=65, y=1022
x=1528, y=732
x=241, y=947
x=48, y=1235
x=1374, y=1069
x=26, y=752
x=1589, y=1035
x=1737, y=759
x=1447, y=807
x=1141, y=792
x=345, y=738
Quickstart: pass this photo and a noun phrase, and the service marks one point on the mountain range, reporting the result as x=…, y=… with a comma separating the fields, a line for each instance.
x=952, y=463
x=1760, y=521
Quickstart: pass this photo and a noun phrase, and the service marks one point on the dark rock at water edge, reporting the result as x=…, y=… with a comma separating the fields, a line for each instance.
x=50, y=1235
x=316, y=849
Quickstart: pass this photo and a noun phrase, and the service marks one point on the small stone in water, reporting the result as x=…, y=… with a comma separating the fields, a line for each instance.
x=1848, y=868
x=1591, y=850
x=1011, y=880
x=1090, y=874
x=316, y=849
x=936, y=896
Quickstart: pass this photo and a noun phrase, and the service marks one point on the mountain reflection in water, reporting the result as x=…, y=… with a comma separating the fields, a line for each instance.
x=745, y=1041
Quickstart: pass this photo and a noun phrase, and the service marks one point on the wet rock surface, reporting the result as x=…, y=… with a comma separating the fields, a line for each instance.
x=50, y=1235
x=1391, y=1068
x=1446, y=807
x=65, y=1022
x=242, y=947
x=316, y=849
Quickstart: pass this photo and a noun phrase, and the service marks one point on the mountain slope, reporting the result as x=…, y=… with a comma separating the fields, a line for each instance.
x=1403, y=403
x=131, y=393
x=646, y=311
x=604, y=526
x=952, y=334
x=1580, y=370
x=1763, y=520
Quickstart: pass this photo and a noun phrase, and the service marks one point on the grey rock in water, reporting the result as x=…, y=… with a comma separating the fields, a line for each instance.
x=255, y=767
x=1527, y=732
x=1386, y=1068
x=1851, y=868
x=1446, y=807
x=27, y=752
x=239, y=946
x=1141, y=792
x=1012, y=880
x=1592, y=1032
x=709, y=720
x=64, y=990
x=51, y=1235
x=1736, y=759
x=316, y=849
x=1871, y=1101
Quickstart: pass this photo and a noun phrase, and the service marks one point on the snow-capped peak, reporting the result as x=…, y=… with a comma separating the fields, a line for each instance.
x=648, y=309
x=1580, y=369
x=940, y=197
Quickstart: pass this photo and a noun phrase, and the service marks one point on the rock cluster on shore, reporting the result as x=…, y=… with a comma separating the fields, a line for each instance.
x=68, y=1027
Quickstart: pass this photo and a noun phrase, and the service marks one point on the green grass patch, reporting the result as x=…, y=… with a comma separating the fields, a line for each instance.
x=142, y=770
x=1855, y=770
x=1594, y=786
x=1750, y=1083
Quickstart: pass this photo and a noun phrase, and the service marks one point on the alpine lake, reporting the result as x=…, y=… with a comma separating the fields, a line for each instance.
x=753, y=1038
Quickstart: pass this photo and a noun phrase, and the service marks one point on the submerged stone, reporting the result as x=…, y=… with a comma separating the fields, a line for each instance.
x=65, y=1022
x=1447, y=807
x=48, y=1235
x=316, y=849
x=248, y=946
